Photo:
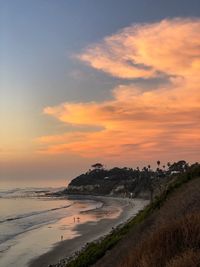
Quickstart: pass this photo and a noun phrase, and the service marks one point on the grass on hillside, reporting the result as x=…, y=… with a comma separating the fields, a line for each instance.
x=174, y=244
x=189, y=258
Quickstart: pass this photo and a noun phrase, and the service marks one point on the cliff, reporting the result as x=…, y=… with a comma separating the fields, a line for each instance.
x=125, y=182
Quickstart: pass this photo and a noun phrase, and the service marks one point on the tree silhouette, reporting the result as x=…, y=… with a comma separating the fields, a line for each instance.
x=179, y=166
x=97, y=166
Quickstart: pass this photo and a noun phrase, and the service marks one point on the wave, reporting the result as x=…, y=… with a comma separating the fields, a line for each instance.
x=27, y=215
x=27, y=192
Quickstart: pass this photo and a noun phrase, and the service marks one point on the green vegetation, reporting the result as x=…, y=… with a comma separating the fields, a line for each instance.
x=96, y=250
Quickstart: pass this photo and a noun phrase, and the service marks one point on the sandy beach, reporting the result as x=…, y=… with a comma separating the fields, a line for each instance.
x=112, y=213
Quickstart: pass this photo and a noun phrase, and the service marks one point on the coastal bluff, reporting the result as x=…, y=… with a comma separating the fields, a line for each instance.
x=114, y=182
x=124, y=182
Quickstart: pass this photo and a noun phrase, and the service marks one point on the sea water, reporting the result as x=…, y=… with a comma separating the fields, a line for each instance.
x=31, y=223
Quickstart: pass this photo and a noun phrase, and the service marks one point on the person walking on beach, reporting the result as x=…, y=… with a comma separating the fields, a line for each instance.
x=61, y=238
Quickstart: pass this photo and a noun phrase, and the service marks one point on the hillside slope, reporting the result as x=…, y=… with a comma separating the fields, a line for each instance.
x=170, y=236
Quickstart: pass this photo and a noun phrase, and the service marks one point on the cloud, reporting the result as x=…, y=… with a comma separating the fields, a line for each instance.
x=135, y=122
x=169, y=46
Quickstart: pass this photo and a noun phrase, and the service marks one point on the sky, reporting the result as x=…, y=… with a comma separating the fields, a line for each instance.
x=84, y=81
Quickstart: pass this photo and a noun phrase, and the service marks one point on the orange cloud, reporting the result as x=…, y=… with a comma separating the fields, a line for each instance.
x=169, y=46
x=137, y=123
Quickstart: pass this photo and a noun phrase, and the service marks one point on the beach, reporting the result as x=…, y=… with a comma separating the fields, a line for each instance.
x=92, y=225
x=31, y=223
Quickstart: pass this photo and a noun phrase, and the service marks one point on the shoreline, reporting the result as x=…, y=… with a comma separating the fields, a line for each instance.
x=121, y=209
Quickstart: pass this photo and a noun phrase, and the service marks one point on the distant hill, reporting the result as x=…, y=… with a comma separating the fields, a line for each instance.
x=125, y=182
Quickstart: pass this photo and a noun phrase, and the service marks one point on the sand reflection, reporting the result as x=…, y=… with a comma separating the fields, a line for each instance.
x=95, y=214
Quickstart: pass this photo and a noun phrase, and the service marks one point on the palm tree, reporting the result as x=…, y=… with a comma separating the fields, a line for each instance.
x=158, y=163
x=163, y=167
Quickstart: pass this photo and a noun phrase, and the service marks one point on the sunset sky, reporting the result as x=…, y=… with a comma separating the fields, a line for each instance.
x=86, y=81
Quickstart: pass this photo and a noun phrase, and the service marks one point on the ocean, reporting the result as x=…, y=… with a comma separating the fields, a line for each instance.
x=31, y=223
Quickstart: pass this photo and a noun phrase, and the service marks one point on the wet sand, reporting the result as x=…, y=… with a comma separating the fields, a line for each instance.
x=113, y=212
